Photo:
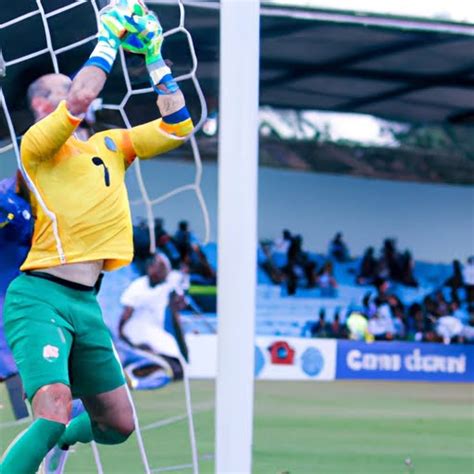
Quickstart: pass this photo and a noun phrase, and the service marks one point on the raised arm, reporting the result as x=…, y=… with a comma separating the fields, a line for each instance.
x=60, y=105
x=145, y=36
x=90, y=80
x=166, y=133
x=85, y=88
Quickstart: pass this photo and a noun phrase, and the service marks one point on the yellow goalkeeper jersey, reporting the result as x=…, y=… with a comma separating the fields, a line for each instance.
x=79, y=196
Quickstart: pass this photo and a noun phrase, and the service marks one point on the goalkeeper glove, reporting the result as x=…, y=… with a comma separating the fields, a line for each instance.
x=112, y=21
x=145, y=36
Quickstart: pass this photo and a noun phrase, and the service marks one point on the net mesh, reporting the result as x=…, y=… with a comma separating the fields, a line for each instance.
x=54, y=51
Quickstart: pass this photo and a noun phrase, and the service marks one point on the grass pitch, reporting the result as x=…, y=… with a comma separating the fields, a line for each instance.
x=303, y=428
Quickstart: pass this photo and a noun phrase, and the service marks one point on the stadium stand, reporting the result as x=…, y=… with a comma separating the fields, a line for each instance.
x=436, y=309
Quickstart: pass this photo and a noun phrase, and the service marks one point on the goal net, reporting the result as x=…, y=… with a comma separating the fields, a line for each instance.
x=38, y=37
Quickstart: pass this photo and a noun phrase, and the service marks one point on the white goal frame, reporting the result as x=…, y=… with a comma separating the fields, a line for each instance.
x=237, y=232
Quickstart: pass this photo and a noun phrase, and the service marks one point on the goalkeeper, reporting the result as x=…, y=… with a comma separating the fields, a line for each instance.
x=53, y=323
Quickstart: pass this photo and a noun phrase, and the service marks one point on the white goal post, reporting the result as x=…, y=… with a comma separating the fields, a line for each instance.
x=237, y=232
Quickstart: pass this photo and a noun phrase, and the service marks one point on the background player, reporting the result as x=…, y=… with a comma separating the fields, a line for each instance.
x=147, y=301
x=16, y=228
x=52, y=319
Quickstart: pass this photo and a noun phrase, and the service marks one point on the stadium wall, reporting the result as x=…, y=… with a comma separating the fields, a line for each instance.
x=435, y=221
x=289, y=358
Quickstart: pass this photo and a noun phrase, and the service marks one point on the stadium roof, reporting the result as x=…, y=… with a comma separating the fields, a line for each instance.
x=454, y=10
x=400, y=69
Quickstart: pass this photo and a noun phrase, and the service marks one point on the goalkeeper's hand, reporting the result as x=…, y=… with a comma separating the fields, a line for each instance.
x=113, y=21
x=144, y=35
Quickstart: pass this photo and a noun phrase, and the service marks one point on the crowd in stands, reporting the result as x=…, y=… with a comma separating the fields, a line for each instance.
x=392, y=264
x=437, y=317
x=182, y=249
x=322, y=328
x=383, y=316
x=444, y=315
x=286, y=262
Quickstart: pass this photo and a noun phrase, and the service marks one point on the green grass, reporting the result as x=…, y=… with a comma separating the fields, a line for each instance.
x=305, y=428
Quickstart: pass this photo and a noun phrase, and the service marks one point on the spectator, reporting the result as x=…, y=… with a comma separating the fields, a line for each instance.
x=430, y=307
x=456, y=281
x=321, y=328
x=458, y=312
x=449, y=328
x=368, y=305
x=383, y=270
x=299, y=265
x=381, y=325
x=338, y=249
x=159, y=229
x=415, y=326
x=399, y=322
x=368, y=268
x=430, y=315
x=165, y=243
x=467, y=334
x=357, y=326
x=141, y=246
x=282, y=244
x=407, y=266
x=338, y=330
x=394, y=302
x=146, y=302
x=391, y=259
x=441, y=307
x=306, y=330
x=268, y=265
x=468, y=277
x=382, y=286
x=193, y=257
x=199, y=267
x=184, y=239
x=399, y=317
x=325, y=279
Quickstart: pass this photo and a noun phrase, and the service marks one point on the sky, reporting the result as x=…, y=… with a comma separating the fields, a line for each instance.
x=456, y=10
x=306, y=125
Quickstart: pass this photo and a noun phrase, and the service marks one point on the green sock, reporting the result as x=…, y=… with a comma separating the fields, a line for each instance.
x=79, y=430
x=82, y=430
x=26, y=453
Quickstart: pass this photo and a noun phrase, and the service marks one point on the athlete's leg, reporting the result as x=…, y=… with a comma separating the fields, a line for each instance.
x=53, y=402
x=56, y=459
x=40, y=341
x=98, y=380
x=108, y=420
x=51, y=409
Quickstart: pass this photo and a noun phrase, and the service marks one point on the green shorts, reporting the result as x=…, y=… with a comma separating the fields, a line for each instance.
x=57, y=335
